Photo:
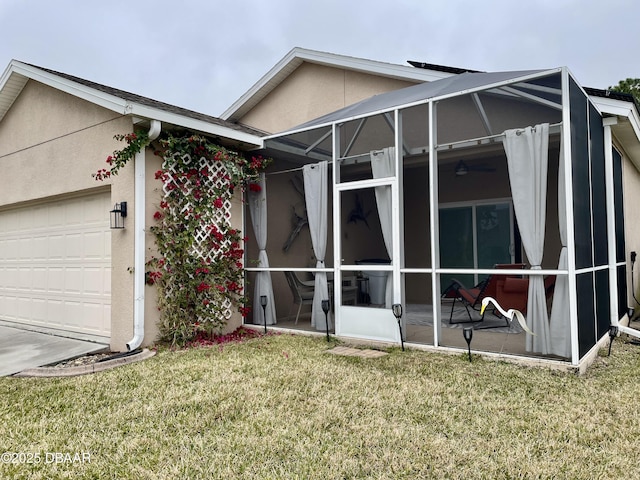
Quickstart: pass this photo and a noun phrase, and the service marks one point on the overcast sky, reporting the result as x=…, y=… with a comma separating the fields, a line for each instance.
x=204, y=54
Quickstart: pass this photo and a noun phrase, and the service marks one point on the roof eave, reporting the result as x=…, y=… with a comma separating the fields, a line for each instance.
x=19, y=73
x=102, y=99
x=144, y=111
x=619, y=108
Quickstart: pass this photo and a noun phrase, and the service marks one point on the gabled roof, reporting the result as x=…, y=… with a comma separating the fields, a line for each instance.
x=297, y=56
x=17, y=74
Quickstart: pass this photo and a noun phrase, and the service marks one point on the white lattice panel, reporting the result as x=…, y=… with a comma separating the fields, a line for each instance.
x=214, y=216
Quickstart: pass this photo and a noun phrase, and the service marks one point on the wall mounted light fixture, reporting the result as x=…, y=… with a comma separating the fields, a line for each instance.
x=118, y=215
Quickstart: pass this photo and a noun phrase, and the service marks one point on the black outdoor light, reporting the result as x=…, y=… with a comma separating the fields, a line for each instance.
x=263, y=302
x=118, y=214
x=325, y=309
x=396, y=308
x=468, y=335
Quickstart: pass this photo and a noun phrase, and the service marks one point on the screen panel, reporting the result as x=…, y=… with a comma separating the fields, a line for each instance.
x=586, y=312
x=598, y=188
x=603, y=300
x=580, y=177
x=622, y=290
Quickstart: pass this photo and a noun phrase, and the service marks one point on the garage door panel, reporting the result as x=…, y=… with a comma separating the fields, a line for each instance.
x=95, y=245
x=24, y=309
x=93, y=281
x=73, y=280
x=56, y=247
x=39, y=310
x=106, y=289
x=73, y=246
x=39, y=248
x=25, y=276
x=40, y=282
x=10, y=249
x=55, y=265
x=9, y=307
x=56, y=280
x=56, y=216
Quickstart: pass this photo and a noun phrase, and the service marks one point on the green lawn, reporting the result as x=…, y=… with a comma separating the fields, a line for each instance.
x=280, y=407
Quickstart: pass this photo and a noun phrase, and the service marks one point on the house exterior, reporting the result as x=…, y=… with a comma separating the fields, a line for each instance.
x=390, y=184
x=62, y=268
x=420, y=190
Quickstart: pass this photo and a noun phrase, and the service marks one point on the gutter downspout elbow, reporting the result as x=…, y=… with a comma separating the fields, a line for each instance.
x=139, y=241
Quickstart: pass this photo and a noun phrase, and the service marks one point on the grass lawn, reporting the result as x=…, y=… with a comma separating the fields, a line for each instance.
x=280, y=407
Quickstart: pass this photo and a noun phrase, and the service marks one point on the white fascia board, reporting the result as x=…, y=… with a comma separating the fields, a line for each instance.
x=297, y=56
x=110, y=102
x=194, y=124
x=392, y=70
x=619, y=108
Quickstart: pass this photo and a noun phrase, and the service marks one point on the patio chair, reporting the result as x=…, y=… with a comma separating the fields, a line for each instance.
x=514, y=292
x=302, y=292
x=472, y=297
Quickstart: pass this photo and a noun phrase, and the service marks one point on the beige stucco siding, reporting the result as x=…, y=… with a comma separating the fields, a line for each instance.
x=631, y=187
x=312, y=91
x=50, y=144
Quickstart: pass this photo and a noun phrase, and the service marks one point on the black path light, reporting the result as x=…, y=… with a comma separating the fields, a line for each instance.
x=396, y=308
x=468, y=335
x=613, y=333
x=325, y=309
x=263, y=302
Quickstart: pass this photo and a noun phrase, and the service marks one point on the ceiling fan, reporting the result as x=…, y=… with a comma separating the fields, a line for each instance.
x=462, y=168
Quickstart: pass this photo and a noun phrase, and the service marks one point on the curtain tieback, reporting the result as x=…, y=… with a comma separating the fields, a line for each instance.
x=536, y=267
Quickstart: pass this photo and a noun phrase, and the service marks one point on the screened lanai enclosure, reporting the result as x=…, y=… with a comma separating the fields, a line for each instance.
x=435, y=196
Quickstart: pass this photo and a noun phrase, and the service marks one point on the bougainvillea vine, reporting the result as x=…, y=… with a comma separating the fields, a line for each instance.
x=199, y=269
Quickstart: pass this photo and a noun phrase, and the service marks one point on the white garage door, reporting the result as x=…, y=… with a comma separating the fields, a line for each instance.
x=55, y=265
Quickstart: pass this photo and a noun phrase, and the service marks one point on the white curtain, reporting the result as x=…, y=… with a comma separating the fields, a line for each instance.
x=382, y=166
x=527, y=158
x=263, y=286
x=559, y=322
x=315, y=195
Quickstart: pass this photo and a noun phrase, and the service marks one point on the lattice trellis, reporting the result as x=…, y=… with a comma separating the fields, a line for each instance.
x=218, y=216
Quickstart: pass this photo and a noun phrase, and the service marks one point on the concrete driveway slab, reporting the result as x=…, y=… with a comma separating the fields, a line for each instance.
x=21, y=349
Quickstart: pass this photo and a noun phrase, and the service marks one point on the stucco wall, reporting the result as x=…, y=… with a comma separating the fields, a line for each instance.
x=312, y=91
x=631, y=187
x=50, y=144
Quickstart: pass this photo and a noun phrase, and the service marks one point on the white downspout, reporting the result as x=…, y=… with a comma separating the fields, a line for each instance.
x=139, y=241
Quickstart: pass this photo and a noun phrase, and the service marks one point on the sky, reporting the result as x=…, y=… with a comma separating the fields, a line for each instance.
x=205, y=54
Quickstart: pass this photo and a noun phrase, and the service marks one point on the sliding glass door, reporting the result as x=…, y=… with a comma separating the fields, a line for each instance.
x=478, y=235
